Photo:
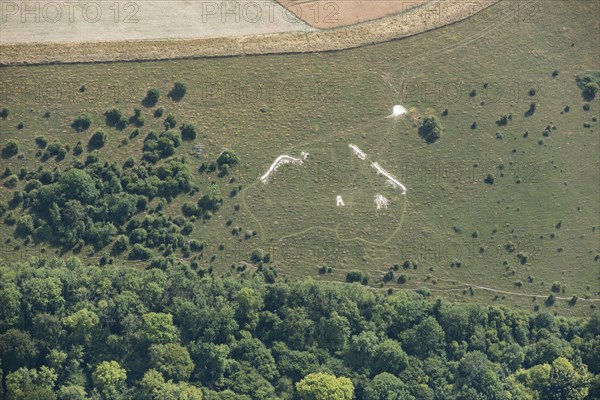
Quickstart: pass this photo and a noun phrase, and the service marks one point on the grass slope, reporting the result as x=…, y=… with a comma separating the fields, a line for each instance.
x=262, y=107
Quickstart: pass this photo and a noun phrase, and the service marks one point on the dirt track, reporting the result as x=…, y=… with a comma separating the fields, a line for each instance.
x=432, y=15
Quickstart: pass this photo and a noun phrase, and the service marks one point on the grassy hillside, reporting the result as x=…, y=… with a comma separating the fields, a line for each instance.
x=537, y=224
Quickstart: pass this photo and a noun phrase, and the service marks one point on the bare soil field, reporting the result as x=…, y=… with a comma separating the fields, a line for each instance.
x=430, y=16
x=327, y=14
x=49, y=21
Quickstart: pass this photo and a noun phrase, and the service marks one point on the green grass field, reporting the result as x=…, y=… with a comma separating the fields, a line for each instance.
x=544, y=199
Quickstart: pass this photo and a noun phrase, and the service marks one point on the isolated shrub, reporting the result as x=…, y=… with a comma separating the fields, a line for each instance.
x=489, y=179
x=188, y=132
x=4, y=113
x=170, y=122
x=78, y=149
x=556, y=286
x=590, y=90
x=227, y=158
x=573, y=301
x=431, y=130
x=388, y=276
x=589, y=83
x=550, y=300
x=11, y=181
x=41, y=141
x=256, y=256
x=504, y=120
x=10, y=149
x=82, y=123
x=113, y=116
x=152, y=97
x=354, y=276
x=97, y=140
x=210, y=202
x=55, y=148
x=159, y=112
x=531, y=110
x=178, y=91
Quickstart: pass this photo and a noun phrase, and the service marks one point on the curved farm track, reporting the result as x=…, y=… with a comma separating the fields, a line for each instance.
x=432, y=15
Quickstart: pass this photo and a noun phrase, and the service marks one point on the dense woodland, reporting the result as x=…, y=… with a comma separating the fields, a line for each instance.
x=74, y=331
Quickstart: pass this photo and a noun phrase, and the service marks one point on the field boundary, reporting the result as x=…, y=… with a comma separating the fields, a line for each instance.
x=430, y=16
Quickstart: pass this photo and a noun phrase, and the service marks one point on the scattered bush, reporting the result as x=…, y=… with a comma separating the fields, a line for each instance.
x=188, y=132
x=504, y=120
x=556, y=286
x=97, y=140
x=257, y=256
x=170, y=122
x=41, y=141
x=4, y=113
x=589, y=83
x=590, y=90
x=178, y=91
x=10, y=149
x=431, y=130
x=78, y=149
x=152, y=97
x=82, y=123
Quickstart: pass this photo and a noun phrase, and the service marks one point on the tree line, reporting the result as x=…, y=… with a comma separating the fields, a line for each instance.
x=74, y=331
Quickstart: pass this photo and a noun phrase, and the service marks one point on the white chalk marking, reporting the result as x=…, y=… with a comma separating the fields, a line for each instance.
x=358, y=151
x=381, y=202
x=398, y=111
x=279, y=161
x=390, y=177
x=339, y=201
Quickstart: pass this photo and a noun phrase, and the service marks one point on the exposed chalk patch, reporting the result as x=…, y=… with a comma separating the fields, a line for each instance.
x=279, y=161
x=381, y=202
x=358, y=151
x=391, y=179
